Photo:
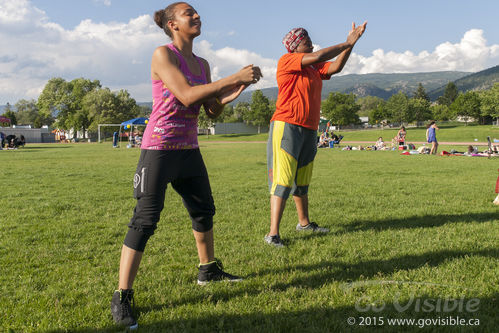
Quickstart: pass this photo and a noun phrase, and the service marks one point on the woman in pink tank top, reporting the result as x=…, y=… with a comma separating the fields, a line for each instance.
x=181, y=83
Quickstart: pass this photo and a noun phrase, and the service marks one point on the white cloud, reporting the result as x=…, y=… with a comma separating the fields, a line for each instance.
x=119, y=53
x=227, y=60
x=471, y=54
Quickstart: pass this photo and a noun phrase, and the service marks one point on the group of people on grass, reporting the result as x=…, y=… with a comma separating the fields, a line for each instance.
x=401, y=138
x=326, y=138
x=181, y=84
x=11, y=141
x=398, y=141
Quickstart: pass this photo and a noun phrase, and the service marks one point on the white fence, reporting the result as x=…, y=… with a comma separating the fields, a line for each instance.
x=238, y=128
x=32, y=135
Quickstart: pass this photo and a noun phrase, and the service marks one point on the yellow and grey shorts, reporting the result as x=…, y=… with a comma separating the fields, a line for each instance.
x=291, y=150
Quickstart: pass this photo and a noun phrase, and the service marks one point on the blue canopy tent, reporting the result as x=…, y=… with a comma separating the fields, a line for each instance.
x=130, y=124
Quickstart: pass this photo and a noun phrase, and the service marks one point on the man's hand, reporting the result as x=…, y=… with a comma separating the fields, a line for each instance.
x=356, y=33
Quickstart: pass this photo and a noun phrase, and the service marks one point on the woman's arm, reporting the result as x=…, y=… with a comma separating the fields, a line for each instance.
x=324, y=54
x=215, y=106
x=342, y=50
x=165, y=68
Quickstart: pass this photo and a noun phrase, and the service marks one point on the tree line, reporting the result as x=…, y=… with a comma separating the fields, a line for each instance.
x=345, y=109
x=482, y=106
x=82, y=104
x=79, y=104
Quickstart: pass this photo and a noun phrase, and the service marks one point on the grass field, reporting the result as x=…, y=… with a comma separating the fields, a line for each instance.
x=412, y=237
x=447, y=133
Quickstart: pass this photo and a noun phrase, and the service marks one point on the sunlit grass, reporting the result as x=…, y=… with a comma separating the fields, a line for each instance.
x=403, y=228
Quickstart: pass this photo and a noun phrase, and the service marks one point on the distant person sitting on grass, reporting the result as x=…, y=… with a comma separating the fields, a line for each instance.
x=323, y=140
x=432, y=138
x=471, y=150
x=380, y=144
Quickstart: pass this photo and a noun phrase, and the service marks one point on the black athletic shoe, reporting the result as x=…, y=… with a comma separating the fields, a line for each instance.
x=121, y=308
x=213, y=272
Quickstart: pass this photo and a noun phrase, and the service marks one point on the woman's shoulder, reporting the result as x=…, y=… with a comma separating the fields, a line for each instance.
x=163, y=51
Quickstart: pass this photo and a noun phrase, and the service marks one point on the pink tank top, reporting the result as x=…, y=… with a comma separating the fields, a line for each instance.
x=173, y=126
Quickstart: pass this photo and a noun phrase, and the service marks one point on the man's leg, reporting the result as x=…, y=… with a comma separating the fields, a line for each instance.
x=301, y=202
x=281, y=165
x=277, y=205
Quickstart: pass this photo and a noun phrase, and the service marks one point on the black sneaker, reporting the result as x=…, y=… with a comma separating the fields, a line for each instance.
x=121, y=308
x=213, y=272
x=274, y=240
x=312, y=226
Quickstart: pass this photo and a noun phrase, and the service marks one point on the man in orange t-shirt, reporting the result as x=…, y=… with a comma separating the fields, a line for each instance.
x=292, y=141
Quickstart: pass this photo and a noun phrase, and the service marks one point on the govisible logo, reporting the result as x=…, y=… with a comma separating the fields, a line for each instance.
x=136, y=180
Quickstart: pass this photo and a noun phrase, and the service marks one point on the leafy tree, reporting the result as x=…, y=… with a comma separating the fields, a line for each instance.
x=9, y=113
x=260, y=110
x=27, y=113
x=420, y=109
x=441, y=112
x=369, y=104
x=226, y=115
x=421, y=93
x=144, y=111
x=450, y=94
x=54, y=97
x=398, y=108
x=79, y=119
x=204, y=121
x=106, y=107
x=65, y=101
x=240, y=110
x=127, y=104
x=377, y=115
x=489, y=102
x=467, y=106
x=341, y=109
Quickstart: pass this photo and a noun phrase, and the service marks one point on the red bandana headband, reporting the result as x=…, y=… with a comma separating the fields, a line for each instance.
x=293, y=38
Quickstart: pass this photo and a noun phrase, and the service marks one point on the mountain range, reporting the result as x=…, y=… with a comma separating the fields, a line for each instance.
x=386, y=85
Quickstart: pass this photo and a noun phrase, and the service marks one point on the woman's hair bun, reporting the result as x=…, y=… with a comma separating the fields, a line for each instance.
x=159, y=17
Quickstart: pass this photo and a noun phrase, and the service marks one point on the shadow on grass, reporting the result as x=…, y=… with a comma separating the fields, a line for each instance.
x=317, y=275
x=326, y=318
x=426, y=221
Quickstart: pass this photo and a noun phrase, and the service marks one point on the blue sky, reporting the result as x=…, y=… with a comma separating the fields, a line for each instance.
x=112, y=40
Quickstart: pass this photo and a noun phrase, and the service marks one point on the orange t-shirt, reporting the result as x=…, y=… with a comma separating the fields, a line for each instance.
x=299, y=98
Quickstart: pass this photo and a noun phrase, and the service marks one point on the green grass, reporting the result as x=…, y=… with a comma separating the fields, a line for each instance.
x=403, y=229
x=446, y=133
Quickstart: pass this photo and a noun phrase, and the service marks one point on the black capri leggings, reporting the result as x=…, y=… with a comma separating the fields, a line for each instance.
x=186, y=172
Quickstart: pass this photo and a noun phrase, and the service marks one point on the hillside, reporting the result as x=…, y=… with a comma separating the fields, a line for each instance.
x=477, y=81
x=380, y=85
